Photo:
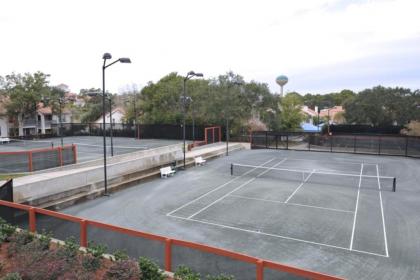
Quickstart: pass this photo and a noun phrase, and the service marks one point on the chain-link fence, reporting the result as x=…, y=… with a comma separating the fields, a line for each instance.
x=400, y=145
x=38, y=159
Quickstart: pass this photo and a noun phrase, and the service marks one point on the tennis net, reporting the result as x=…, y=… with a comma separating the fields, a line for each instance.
x=316, y=177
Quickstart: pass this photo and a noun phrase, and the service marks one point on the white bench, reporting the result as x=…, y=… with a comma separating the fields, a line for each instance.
x=199, y=161
x=4, y=140
x=165, y=172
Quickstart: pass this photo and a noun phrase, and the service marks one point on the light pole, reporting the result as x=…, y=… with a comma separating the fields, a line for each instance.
x=227, y=114
x=105, y=57
x=190, y=75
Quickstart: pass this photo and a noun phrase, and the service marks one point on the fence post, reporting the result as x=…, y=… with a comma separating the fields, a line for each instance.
x=287, y=141
x=60, y=155
x=277, y=141
x=260, y=270
x=266, y=139
x=394, y=184
x=32, y=219
x=379, y=144
x=74, y=148
x=309, y=143
x=406, y=145
x=168, y=254
x=83, y=233
x=30, y=161
x=331, y=143
x=354, y=144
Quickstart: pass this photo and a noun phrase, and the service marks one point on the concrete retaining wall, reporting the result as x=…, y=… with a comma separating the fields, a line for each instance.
x=35, y=187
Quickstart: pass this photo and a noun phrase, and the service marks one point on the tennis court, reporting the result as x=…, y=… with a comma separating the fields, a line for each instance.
x=336, y=214
x=88, y=147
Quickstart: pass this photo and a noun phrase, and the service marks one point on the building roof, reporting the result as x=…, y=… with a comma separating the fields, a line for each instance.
x=308, y=111
x=331, y=111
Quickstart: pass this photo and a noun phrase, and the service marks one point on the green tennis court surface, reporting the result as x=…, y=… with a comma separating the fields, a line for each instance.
x=340, y=217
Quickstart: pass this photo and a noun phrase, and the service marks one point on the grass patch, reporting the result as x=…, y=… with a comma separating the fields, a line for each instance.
x=11, y=176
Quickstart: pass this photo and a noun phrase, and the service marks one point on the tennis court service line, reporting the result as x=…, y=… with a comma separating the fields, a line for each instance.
x=382, y=212
x=293, y=204
x=234, y=190
x=276, y=236
x=357, y=205
x=219, y=187
x=301, y=184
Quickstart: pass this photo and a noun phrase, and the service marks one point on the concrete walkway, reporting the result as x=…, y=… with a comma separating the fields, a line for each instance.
x=84, y=179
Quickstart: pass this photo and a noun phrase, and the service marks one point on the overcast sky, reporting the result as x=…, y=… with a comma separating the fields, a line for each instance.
x=321, y=45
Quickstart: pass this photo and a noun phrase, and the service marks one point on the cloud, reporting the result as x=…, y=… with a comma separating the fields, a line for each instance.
x=258, y=39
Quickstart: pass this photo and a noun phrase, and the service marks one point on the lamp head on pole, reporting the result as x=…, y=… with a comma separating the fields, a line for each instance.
x=107, y=56
x=125, y=60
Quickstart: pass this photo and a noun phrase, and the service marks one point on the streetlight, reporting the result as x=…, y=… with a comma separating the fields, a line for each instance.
x=227, y=116
x=190, y=75
x=105, y=57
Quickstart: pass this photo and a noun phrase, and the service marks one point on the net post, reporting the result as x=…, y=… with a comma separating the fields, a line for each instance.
x=394, y=184
x=406, y=145
x=231, y=169
x=287, y=141
x=277, y=141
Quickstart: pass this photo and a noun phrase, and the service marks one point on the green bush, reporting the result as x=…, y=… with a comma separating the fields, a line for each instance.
x=6, y=231
x=12, y=276
x=120, y=255
x=150, y=270
x=90, y=263
x=186, y=273
x=96, y=250
x=70, y=249
x=45, y=240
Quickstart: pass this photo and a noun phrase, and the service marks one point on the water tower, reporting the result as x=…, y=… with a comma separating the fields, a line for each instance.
x=281, y=81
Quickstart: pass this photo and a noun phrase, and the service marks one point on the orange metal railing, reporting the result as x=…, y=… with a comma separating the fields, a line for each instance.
x=260, y=264
x=28, y=155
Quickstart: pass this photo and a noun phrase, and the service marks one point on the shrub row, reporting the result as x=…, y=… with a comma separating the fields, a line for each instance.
x=35, y=257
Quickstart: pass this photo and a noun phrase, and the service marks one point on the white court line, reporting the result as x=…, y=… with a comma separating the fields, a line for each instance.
x=355, y=211
x=277, y=236
x=293, y=204
x=304, y=181
x=118, y=147
x=234, y=190
x=219, y=187
x=382, y=212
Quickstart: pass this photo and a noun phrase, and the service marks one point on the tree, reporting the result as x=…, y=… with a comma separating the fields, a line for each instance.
x=290, y=113
x=25, y=93
x=382, y=106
